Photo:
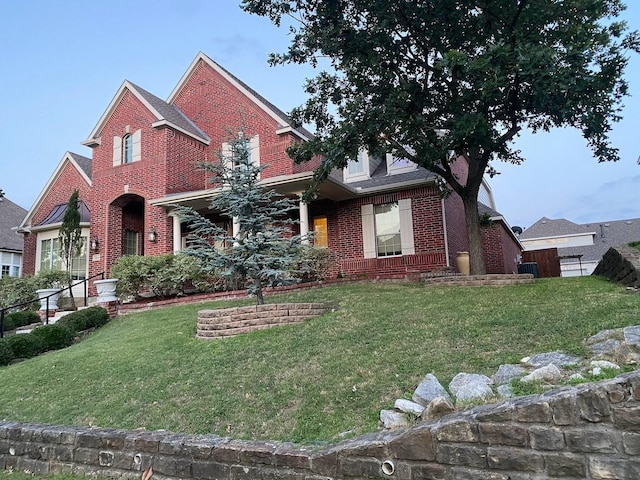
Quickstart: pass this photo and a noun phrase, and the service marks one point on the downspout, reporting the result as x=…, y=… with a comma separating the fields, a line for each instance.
x=444, y=230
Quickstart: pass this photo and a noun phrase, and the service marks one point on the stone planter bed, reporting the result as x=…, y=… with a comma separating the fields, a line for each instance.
x=227, y=322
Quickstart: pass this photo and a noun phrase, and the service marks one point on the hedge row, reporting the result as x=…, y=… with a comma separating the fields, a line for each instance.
x=51, y=337
x=20, y=319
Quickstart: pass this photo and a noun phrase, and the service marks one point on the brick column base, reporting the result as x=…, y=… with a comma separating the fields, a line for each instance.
x=110, y=307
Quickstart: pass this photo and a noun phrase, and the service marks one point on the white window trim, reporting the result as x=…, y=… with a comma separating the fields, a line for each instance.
x=119, y=150
x=52, y=234
x=407, y=241
x=393, y=167
x=254, y=146
x=356, y=177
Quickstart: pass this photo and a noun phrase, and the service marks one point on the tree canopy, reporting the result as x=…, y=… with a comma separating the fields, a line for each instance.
x=438, y=80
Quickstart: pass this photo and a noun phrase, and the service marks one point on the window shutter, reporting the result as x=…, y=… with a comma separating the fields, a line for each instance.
x=255, y=150
x=137, y=150
x=117, y=150
x=406, y=227
x=368, y=232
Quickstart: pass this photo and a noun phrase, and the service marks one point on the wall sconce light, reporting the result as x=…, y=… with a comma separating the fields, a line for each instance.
x=94, y=244
x=153, y=236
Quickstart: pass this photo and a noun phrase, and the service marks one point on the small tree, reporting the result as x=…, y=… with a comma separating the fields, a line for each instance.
x=264, y=247
x=71, y=238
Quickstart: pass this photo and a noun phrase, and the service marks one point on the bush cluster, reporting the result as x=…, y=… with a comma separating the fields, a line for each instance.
x=51, y=337
x=162, y=275
x=20, y=319
x=18, y=290
x=314, y=263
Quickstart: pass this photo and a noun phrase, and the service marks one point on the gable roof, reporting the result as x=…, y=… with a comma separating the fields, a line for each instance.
x=81, y=163
x=547, y=227
x=165, y=114
x=614, y=233
x=284, y=121
x=10, y=216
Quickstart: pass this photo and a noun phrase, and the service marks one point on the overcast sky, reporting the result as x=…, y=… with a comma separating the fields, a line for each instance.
x=63, y=61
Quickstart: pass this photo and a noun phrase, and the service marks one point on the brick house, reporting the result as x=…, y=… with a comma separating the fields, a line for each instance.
x=11, y=244
x=379, y=216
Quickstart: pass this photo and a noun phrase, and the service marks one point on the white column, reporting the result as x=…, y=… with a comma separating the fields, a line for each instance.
x=304, y=221
x=236, y=230
x=177, y=234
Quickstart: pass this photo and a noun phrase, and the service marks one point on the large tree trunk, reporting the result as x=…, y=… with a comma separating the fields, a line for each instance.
x=474, y=235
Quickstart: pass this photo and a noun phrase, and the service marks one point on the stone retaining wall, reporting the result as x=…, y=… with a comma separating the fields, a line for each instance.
x=227, y=322
x=591, y=431
x=621, y=265
x=473, y=280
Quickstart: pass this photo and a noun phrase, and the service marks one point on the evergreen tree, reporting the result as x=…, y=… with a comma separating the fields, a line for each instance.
x=264, y=247
x=71, y=238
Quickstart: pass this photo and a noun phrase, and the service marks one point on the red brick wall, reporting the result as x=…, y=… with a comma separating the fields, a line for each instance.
x=218, y=108
x=500, y=249
x=456, y=228
x=345, y=234
x=184, y=156
x=146, y=179
x=62, y=187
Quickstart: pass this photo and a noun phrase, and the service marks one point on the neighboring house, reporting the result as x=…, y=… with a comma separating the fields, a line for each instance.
x=10, y=241
x=580, y=246
x=379, y=216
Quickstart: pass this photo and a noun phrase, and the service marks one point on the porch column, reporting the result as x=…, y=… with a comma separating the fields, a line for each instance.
x=236, y=229
x=304, y=221
x=177, y=234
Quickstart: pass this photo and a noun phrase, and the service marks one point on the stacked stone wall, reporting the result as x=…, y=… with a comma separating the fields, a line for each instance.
x=591, y=431
x=227, y=322
x=621, y=265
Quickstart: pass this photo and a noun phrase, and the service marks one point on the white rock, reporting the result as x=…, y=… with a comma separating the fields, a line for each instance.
x=576, y=376
x=505, y=391
x=596, y=371
x=547, y=373
x=429, y=389
x=407, y=406
x=604, y=364
x=393, y=419
x=470, y=386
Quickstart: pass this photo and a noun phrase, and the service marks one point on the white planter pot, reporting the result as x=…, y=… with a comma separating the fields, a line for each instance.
x=106, y=290
x=43, y=293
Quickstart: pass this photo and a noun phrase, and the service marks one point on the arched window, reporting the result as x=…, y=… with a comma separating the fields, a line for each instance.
x=127, y=148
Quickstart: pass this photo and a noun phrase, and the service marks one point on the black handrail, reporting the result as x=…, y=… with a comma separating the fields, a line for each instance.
x=24, y=304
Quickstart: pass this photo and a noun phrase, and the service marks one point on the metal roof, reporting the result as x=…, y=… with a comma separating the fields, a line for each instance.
x=56, y=215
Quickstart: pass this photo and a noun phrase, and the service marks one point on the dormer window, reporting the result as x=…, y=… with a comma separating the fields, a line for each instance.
x=126, y=149
x=358, y=169
x=399, y=165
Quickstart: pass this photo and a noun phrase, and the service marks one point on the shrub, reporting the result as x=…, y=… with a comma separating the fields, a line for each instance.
x=25, y=345
x=314, y=263
x=75, y=322
x=80, y=320
x=95, y=317
x=162, y=275
x=53, y=337
x=6, y=354
x=14, y=291
x=20, y=319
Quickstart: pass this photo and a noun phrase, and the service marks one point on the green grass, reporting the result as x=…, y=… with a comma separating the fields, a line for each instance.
x=310, y=382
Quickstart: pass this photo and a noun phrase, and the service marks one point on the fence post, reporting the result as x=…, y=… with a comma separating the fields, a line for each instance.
x=46, y=321
x=85, y=291
x=2, y=323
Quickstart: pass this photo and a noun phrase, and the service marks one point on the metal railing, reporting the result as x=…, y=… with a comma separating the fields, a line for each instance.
x=85, y=283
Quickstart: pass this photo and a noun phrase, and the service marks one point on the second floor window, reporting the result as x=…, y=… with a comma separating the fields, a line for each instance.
x=127, y=149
